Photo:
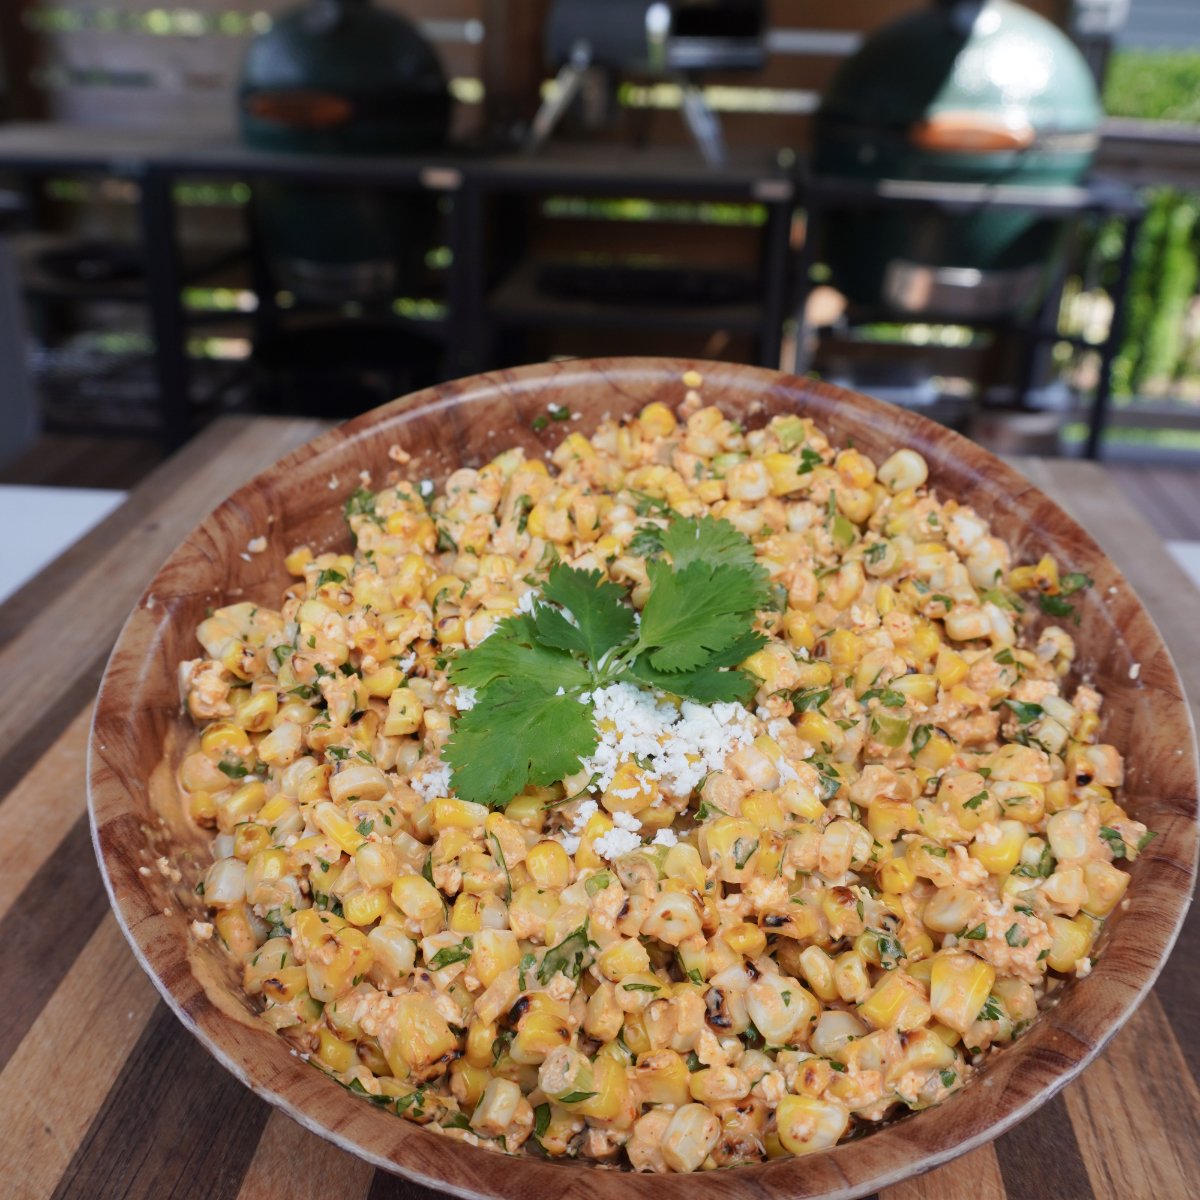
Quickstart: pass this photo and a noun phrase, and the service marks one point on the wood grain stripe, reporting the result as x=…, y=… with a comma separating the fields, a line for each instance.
x=45, y=930
x=392, y=1187
x=1136, y=1112
x=173, y=1118
x=42, y=807
x=291, y=1162
x=980, y=1167
x=60, y=1075
x=1041, y=1157
x=168, y=506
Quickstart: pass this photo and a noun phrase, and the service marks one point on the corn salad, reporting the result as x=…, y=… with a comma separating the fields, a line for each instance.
x=703, y=949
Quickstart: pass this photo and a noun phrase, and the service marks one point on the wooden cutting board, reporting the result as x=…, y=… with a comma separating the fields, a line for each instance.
x=103, y=1094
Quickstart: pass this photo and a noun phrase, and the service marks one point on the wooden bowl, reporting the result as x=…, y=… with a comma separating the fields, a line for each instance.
x=138, y=729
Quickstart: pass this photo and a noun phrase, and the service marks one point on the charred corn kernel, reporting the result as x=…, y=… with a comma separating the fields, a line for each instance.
x=240, y=806
x=202, y=809
x=764, y=810
x=745, y=939
x=495, y=950
x=850, y=976
x=630, y=791
x=417, y=1036
x=416, y=897
x=255, y=712
x=924, y=642
x=329, y=820
x=936, y=753
x=468, y=1083
x=1070, y=941
x=365, y=907
x=951, y=668
x=264, y=869
x=806, y=1124
x=950, y=909
x=903, y=470
x=405, y=713
x=662, y=1077
x=958, y=986
x=333, y=1052
x=249, y=839
x=297, y=560
x=497, y=1108
x=481, y=1037
x=844, y=648
x=537, y=1035
x=896, y=876
x=657, y=420
x=528, y=811
x=611, y=1084
x=690, y=1137
x=1105, y=887
x=223, y=738
x=234, y=929
x=887, y=818
x=896, y=1002
x=457, y=814
x=624, y=957
x=1001, y=852
x=815, y=728
x=798, y=631
x=549, y=865
x=682, y=862
x=384, y=682
x=395, y=953
x=921, y=689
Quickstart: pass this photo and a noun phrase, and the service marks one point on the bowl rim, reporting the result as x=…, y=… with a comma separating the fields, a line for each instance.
x=438, y=1162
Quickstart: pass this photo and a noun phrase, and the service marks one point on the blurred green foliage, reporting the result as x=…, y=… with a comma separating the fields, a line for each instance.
x=1158, y=349
x=1155, y=85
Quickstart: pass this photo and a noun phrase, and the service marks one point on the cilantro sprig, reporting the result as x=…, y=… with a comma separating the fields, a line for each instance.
x=531, y=723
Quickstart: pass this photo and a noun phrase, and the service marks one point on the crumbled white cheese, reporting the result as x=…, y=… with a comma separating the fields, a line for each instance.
x=587, y=810
x=528, y=602
x=407, y=663
x=680, y=745
x=1083, y=968
x=464, y=698
x=1135, y=670
x=256, y=545
x=616, y=842
x=425, y=487
x=624, y=820
x=665, y=837
x=434, y=782
x=569, y=842
x=202, y=931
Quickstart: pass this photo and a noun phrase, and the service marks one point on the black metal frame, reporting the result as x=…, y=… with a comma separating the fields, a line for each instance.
x=157, y=163
x=1098, y=198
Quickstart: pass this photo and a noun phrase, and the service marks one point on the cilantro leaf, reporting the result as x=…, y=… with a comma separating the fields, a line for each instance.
x=707, y=540
x=603, y=619
x=694, y=612
x=647, y=541
x=514, y=652
x=707, y=684
x=515, y=735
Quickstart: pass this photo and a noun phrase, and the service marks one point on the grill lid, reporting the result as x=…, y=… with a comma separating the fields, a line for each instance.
x=967, y=76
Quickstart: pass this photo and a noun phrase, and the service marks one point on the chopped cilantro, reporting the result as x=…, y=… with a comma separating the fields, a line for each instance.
x=975, y=935
x=920, y=737
x=1025, y=713
x=576, y=1097
x=448, y=955
x=1116, y=843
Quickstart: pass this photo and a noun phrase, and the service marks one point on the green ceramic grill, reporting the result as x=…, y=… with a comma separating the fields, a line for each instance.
x=960, y=92
x=343, y=77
